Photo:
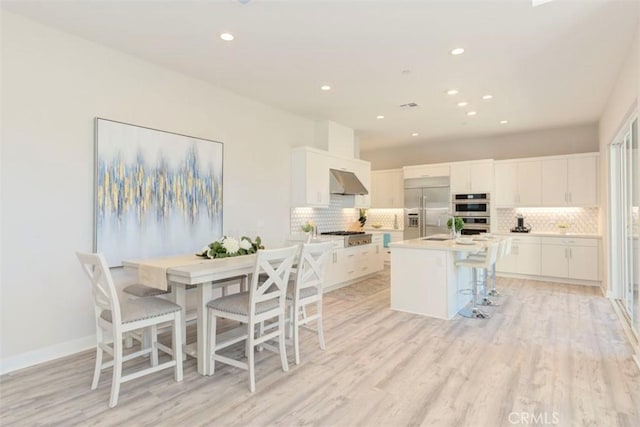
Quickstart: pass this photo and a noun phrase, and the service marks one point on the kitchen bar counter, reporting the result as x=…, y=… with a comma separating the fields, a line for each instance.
x=550, y=234
x=425, y=279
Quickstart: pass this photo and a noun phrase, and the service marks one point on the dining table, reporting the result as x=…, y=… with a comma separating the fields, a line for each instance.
x=182, y=271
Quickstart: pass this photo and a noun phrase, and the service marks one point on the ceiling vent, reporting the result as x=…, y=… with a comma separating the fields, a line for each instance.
x=408, y=105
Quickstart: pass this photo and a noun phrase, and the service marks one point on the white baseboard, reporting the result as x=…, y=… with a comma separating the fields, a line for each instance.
x=46, y=354
x=562, y=280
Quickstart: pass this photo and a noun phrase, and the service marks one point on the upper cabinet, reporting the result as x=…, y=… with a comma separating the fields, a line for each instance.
x=518, y=183
x=387, y=189
x=423, y=171
x=570, y=181
x=471, y=177
x=310, y=182
x=309, y=178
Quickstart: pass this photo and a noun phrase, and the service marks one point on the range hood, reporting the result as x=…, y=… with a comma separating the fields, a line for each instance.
x=345, y=182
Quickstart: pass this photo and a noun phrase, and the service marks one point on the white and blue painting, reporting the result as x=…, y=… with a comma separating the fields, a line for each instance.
x=157, y=193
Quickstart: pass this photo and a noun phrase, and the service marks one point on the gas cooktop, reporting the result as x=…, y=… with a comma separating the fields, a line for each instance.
x=342, y=233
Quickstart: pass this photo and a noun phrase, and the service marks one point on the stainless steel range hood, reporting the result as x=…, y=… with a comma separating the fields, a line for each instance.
x=345, y=182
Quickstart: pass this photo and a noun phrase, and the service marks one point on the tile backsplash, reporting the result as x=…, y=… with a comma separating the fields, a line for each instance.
x=386, y=217
x=334, y=218
x=579, y=220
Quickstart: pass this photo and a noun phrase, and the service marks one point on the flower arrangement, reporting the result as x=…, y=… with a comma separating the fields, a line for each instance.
x=308, y=226
x=457, y=222
x=230, y=247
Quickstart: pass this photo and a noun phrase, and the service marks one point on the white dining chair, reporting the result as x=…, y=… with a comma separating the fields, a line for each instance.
x=118, y=318
x=306, y=289
x=264, y=301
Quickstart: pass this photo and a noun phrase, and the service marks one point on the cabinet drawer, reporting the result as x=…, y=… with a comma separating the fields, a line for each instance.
x=569, y=241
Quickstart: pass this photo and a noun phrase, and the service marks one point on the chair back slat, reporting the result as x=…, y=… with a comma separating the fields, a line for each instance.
x=104, y=292
x=276, y=265
x=312, y=265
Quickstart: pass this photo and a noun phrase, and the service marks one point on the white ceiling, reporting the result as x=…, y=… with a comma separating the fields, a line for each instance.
x=547, y=66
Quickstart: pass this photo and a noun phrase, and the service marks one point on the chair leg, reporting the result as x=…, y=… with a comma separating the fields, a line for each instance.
x=251, y=356
x=295, y=312
x=99, y=351
x=154, y=344
x=281, y=341
x=177, y=345
x=128, y=341
x=260, y=333
x=291, y=318
x=117, y=369
x=212, y=340
x=320, y=326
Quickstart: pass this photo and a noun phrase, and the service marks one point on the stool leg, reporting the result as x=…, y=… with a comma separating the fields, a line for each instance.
x=474, y=311
x=486, y=292
x=493, y=292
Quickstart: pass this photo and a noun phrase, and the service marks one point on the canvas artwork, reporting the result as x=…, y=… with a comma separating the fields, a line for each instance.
x=157, y=193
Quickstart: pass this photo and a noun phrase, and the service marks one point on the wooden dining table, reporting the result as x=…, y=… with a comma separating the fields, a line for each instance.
x=204, y=275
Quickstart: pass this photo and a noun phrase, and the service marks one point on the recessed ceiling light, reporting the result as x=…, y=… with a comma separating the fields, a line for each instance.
x=452, y=92
x=415, y=134
x=463, y=104
x=487, y=96
x=380, y=117
x=226, y=37
x=457, y=51
x=325, y=87
x=471, y=113
x=504, y=122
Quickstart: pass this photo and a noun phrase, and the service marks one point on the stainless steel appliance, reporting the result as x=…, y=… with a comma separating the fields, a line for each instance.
x=426, y=206
x=351, y=238
x=475, y=211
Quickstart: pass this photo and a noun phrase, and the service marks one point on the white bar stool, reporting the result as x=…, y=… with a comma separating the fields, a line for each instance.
x=476, y=264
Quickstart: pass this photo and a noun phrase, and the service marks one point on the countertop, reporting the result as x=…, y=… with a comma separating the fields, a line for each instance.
x=439, y=245
x=551, y=234
x=382, y=229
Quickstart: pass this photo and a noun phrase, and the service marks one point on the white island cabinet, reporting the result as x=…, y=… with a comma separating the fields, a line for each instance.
x=425, y=279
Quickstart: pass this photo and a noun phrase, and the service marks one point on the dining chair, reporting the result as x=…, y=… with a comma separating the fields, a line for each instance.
x=306, y=290
x=119, y=318
x=264, y=301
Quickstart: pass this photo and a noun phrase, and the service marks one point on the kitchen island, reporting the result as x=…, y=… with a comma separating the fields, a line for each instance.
x=425, y=279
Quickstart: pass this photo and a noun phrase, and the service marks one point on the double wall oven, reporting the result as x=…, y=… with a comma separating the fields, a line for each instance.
x=475, y=211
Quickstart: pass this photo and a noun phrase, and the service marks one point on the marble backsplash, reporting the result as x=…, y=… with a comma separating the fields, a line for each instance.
x=578, y=220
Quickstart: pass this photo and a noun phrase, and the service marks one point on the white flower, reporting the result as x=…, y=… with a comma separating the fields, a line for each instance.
x=245, y=244
x=231, y=245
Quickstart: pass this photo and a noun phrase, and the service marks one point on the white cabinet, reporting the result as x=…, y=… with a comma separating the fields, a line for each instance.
x=570, y=258
x=571, y=181
x=387, y=189
x=346, y=264
x=524, y=257
x=309, y=178
x=471, y=177
x=518, y=183
x=422, y=171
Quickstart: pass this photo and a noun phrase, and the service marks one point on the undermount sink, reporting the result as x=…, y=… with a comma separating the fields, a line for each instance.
x=436, y=238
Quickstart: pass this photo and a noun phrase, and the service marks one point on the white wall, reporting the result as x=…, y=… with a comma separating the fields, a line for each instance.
x=543, y=142
x=622, y=103
x=54, y=84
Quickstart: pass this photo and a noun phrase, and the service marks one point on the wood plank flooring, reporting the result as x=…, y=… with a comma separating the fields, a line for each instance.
x=551, y=354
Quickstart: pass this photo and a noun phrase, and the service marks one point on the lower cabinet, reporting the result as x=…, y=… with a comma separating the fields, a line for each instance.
x=553, y=257
x=347, y=264
x=524, y=257
x=570, y=258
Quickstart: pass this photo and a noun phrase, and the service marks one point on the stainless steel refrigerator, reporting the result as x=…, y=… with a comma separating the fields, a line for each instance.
x=427, y=206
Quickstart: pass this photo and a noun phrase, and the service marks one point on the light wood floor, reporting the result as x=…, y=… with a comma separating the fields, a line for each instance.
x=551, y=353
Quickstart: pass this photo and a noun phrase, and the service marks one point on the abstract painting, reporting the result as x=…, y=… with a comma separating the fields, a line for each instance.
x=157, y=193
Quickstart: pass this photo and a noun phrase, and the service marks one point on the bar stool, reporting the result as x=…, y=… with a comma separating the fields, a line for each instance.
x=483, y=264
x=505, y=249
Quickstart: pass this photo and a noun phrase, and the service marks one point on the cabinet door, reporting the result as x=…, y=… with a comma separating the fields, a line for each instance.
x=460, y=181
x=509, y=263
x=582, y=181
x=583, y=262
x=529, y=258
x=310, y=179
x=554, y=182
x=505, y=183
x=334, y=270
x=396, y=185
x=380, y=189
x=481, y=177
x=554, y=261
x=529, y=183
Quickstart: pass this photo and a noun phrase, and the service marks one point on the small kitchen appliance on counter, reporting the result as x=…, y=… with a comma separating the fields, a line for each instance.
x=520, y=227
